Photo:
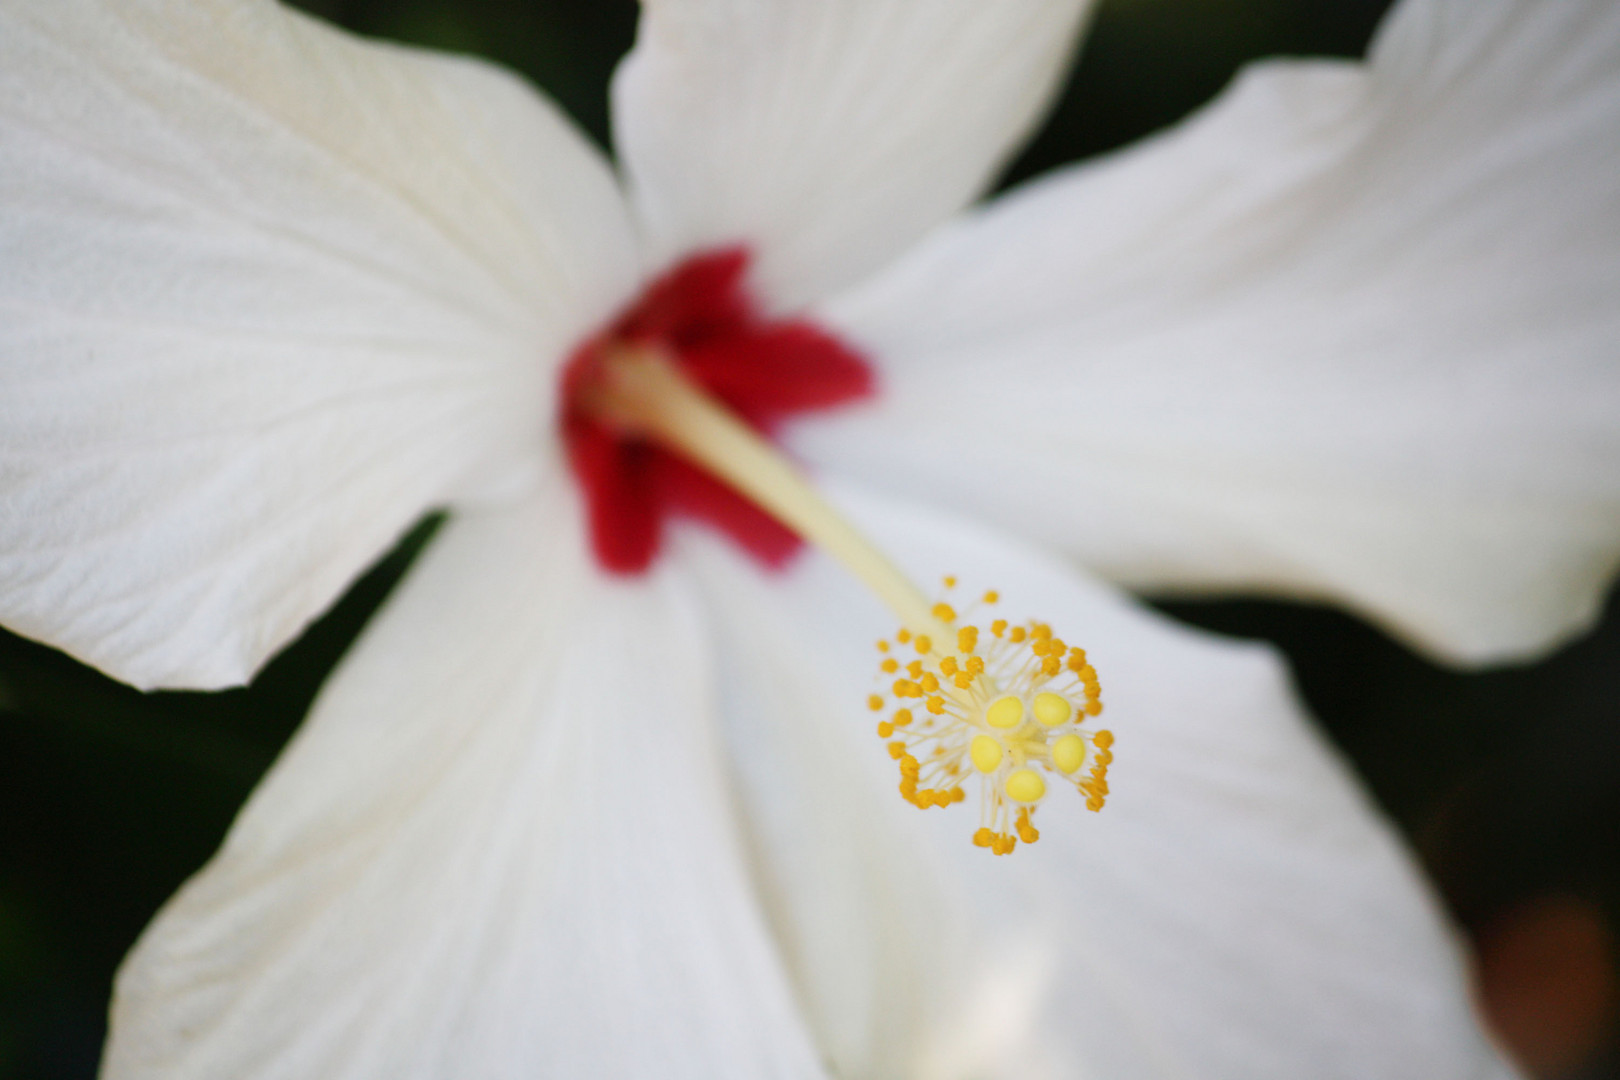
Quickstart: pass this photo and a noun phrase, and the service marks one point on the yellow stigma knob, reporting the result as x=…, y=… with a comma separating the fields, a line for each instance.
x=1025, y=785
x=1068, y=753
x=1052, y=709
x=986, y=753
x=1007, y=712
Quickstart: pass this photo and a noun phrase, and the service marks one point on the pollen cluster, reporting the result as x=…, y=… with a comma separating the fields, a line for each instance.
x=1006, y=704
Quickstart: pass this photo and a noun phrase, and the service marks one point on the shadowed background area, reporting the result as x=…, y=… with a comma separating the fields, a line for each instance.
x=1507, y=782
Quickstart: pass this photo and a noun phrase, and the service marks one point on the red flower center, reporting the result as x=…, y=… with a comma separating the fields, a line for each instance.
x=765, y=370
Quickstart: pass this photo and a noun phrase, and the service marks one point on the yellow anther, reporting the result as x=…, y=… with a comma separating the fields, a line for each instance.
x=1052, y=709
x=950, y=581
x=883, y=646
x=1005, y=712
x=1025, y=786
x=1069, y=753
x=991, y=596
x=874, y=703
x=1006, y=718
x=986, y=753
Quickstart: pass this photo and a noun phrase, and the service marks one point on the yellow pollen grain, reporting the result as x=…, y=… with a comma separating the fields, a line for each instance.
x=1025, y=786
x=1052, y=709
x=967, y=639
x=929, y=682
x=890, y=666
x=975, y=665
x=923, y=644
x=903, y=636
x=1016, y=635
x=1093, y=707
x=915, y=669
x=998, y=627
x=874, y=703
x=950, y=581
x=992, y=597
x=883, y=646
x=1068, y=753
x=885, y=729
x=1006, y=712
x=947, y=665
x=986, y=753
x=936, y=705
x=1103, y=739
x=901, y=717
x=944, y=613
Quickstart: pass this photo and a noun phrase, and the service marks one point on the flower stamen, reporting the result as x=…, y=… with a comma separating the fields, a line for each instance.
x=1007, y=708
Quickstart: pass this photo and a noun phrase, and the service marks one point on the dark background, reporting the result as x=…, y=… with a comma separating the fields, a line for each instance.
x=1507, y=782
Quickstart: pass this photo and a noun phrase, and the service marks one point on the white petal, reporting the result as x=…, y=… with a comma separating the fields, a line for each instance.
x=501, y=846
x=1237, y=910
x=826, y=135
x=1350, y=333
x=268, y=292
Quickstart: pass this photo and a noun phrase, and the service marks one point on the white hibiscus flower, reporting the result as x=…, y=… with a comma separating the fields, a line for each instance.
x=271, y=292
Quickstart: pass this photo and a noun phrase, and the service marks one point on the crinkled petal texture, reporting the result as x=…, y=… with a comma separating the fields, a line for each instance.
x=826, y=135
x=1351, y=332
x=1237, y=910
x=268, y=293
x=501, y=847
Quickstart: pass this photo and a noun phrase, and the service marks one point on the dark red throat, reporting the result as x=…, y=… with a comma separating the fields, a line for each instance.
x=765, y=370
